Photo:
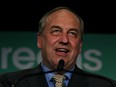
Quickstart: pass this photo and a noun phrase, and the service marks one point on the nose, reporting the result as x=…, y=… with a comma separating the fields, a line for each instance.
x=64, y=39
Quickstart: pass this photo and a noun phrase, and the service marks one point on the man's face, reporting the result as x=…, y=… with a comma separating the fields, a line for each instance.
x=60, y=39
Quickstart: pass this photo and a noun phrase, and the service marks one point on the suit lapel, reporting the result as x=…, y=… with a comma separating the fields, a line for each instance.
x=37, y=80
x=77, y=80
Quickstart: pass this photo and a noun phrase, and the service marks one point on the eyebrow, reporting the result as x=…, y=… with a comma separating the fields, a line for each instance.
x=74, y=29
x=56, y=26
x=71, y=29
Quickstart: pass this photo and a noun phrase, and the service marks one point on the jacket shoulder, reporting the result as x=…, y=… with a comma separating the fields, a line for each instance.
x=95, y=80
x=11, y=77
x=14, y=75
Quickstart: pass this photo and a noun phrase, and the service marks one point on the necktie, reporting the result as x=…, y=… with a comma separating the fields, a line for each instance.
x=59, y=80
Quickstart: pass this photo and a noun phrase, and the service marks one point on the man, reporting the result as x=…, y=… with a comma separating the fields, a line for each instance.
x=60, y=38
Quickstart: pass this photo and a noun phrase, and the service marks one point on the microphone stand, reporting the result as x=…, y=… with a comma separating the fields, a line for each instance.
x=60, y=68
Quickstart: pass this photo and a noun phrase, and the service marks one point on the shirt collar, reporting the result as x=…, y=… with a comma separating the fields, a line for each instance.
x=50, y=75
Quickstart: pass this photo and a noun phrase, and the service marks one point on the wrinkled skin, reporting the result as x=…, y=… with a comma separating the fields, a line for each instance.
x=60, y=39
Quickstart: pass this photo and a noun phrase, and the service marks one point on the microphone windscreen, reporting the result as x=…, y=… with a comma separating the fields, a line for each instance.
x=60, y=65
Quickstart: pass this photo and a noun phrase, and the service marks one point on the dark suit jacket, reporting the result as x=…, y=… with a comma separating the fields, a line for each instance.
x=31, y=78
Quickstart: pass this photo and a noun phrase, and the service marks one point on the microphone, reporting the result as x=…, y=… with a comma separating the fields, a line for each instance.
x=60, y=66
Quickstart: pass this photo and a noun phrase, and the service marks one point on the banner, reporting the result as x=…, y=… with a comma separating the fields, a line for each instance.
x=18, y=51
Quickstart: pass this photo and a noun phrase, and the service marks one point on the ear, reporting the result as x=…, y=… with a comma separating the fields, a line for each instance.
x=39, y=40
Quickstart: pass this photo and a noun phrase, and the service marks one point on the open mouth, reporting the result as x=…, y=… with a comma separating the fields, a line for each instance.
x=62, y=50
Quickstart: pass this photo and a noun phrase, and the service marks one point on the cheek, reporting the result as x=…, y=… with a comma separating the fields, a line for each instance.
x=76, y=44
x=51, y=40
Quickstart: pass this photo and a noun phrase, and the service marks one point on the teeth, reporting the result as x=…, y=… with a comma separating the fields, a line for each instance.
x=62, y=50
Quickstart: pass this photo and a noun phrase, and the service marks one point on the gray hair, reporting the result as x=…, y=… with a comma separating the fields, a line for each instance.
x=43, y=20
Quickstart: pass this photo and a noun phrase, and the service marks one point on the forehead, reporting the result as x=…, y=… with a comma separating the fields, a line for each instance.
x=64, y=18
